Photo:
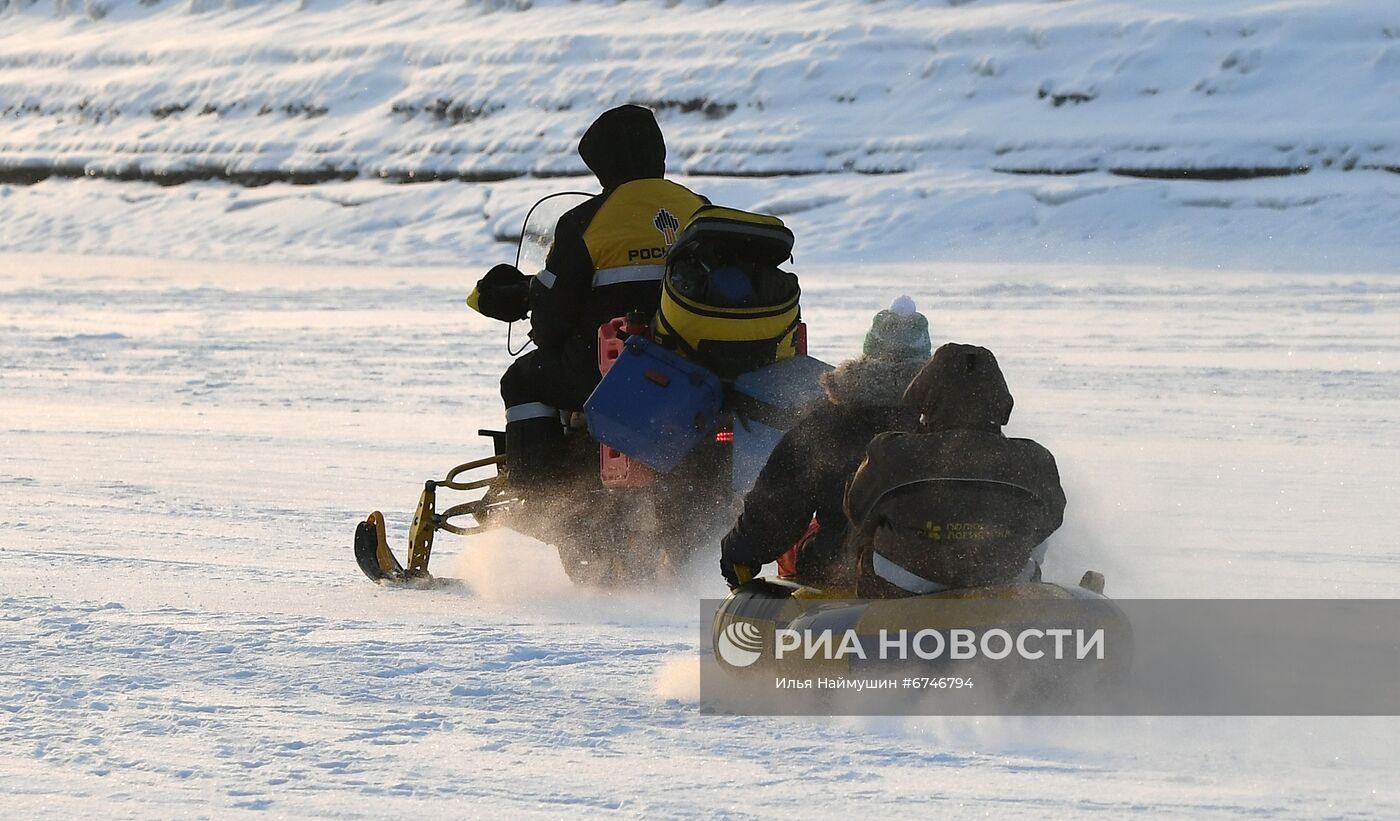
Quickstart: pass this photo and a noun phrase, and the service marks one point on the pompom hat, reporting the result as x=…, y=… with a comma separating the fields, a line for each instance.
x=900, y=332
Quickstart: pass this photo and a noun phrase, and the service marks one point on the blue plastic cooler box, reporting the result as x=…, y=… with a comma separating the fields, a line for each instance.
x=654, y=406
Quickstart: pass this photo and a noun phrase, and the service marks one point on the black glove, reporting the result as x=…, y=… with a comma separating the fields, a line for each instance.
x=504, y=294
x=735, y=574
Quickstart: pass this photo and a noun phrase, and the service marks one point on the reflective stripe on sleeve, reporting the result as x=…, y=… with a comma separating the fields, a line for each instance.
x=628, y=273
x=546, y=277
x=530, y=410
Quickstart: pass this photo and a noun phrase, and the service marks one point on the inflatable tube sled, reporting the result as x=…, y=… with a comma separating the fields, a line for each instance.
x=1032, y=647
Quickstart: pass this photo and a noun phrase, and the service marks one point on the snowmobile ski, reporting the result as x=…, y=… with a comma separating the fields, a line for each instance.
x=377, y=560
x=372, y=551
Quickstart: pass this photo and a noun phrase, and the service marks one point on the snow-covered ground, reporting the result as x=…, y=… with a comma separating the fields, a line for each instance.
x=204, y=385
x=1325, y=221
x=185, y=632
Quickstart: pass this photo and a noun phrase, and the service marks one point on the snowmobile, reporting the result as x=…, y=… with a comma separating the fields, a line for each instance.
x=692, y=400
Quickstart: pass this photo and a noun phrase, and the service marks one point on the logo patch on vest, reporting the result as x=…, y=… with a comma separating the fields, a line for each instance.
x=668, y=225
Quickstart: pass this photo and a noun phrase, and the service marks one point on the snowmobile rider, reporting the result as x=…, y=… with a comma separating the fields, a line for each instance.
x=608, y=259
x=805, y=476
x=957, y=504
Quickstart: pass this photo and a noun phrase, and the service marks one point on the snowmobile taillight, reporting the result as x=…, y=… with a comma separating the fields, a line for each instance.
x=724, y=436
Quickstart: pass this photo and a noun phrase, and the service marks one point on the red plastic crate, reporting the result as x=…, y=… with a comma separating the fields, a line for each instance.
x=615, y=468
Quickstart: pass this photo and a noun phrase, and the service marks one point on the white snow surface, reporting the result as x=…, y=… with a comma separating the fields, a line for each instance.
x=187, y=447
x=204, y=386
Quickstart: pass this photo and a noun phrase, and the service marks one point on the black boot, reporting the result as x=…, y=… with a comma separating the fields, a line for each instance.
x=534, y=451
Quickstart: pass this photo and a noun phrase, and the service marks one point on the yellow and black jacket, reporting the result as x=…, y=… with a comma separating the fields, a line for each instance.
x=609, y=254
x=609, y=257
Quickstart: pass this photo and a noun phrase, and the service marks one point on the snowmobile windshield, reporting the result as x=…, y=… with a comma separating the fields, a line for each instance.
x=537, y=235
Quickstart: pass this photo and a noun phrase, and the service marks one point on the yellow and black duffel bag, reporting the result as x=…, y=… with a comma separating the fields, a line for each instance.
x=725, y=303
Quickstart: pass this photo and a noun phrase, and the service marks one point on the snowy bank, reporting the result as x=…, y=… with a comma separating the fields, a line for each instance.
x=1260, y=135
x=328, y=89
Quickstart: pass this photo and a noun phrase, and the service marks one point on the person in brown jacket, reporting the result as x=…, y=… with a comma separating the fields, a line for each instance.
x=805, y=478
x=957, y=504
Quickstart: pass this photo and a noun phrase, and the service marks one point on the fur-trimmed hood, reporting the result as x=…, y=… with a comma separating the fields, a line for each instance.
x=870, y=381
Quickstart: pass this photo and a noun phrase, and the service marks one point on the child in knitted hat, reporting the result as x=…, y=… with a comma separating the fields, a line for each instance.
x=806, y=474
x=900, y=332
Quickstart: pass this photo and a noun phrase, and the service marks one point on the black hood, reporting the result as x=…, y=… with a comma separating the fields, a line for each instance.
x=961, y=387
x=623, y=144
